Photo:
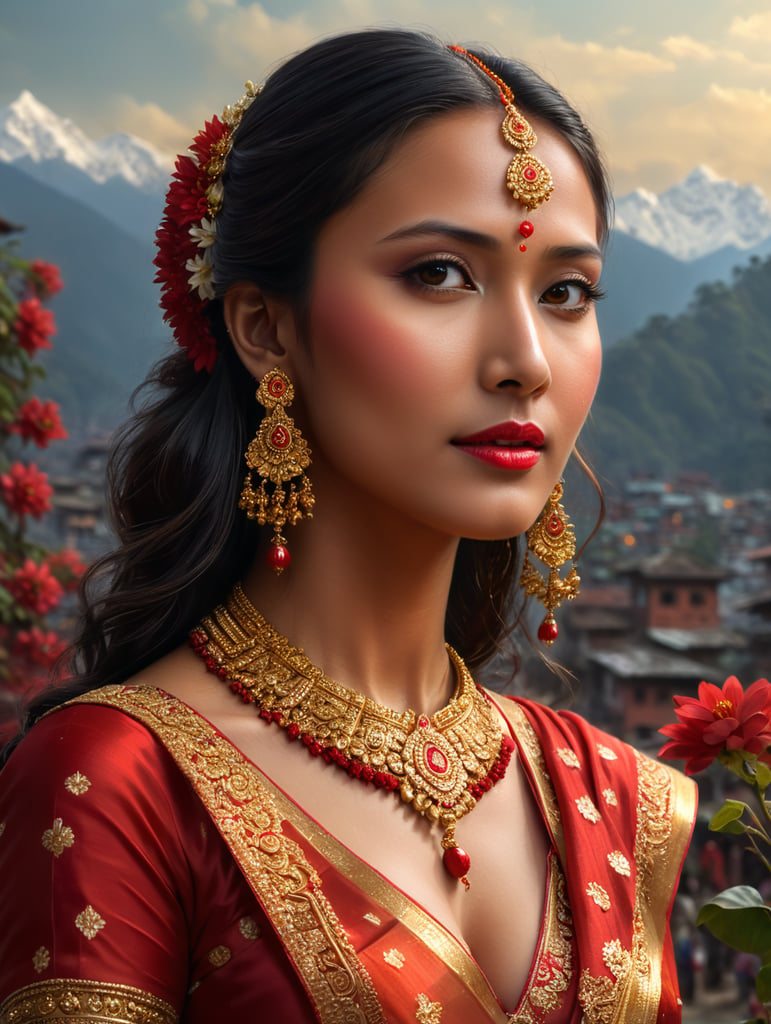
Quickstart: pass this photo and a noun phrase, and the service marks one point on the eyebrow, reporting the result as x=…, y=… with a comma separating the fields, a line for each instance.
x=484, y=241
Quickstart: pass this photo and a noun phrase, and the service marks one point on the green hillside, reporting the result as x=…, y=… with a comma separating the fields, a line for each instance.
x=692, y=392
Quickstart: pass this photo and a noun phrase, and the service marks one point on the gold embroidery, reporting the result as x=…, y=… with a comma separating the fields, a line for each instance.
x=77, y=784
x=90, y=1002
x=619, y=863
x=428, y=1012
x=219, y=956
x=288, y=887
x=89, y=922
x=599, y=895
x=587, y=809
x=568, y=757
x=41, y=959
x=58, y=838
x=394, y=958
x=610, y=797
x=249, y=928
x=372, y=918
x=606, y=752
x=554, y=959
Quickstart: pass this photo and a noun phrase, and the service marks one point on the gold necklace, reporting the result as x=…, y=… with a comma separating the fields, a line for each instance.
x=440, y=764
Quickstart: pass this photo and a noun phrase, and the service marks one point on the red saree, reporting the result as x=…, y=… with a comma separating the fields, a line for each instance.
x=150, y=873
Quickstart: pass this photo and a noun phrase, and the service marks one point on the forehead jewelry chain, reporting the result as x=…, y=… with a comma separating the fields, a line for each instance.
x=527, y=178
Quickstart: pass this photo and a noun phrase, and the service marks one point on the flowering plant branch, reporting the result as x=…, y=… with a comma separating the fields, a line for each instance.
x=733, y=726
x=33, y=580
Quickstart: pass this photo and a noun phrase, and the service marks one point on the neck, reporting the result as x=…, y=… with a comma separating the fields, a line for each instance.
x=366, y=599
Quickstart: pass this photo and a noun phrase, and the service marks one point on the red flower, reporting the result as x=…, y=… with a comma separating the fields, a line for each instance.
x=38, y=647
x=39, y=422
x=720, y=720
x=49, y=282
x=34, y=326
x=67, y=567
x=35, y=588
x=26, y=490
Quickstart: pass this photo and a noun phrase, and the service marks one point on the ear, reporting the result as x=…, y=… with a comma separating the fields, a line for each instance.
x=261, y=328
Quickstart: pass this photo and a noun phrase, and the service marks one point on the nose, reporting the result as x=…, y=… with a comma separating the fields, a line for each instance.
x=516, y=358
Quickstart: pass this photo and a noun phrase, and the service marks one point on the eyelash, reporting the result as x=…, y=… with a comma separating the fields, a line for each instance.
x=591, y=291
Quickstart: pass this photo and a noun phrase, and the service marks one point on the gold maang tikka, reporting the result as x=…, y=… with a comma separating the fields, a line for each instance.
x=527, y=178
x=552, y=540
x=278, y=453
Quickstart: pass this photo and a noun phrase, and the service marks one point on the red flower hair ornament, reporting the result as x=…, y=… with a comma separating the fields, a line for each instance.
x=188, y=232
x=723, y=723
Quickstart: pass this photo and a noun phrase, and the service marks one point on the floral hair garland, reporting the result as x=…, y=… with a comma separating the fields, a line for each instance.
x=188, y=231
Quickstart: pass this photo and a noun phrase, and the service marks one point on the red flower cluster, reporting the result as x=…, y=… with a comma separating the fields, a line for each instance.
x=38, y=648
x=34, y=326
x=48, y=280
x=26, y=490
x=67, y=567
x=35, y=587
x=720, y=720
x=186, y=205
x=39, y=422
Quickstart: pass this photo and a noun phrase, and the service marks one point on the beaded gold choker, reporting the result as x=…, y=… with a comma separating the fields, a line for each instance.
x=440, y=764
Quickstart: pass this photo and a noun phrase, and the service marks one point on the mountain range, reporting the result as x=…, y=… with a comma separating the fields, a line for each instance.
x=92, y=207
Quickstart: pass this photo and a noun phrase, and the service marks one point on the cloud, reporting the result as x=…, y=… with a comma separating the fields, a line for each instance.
x=150, y=122
x=689, y=48
x=757, y=27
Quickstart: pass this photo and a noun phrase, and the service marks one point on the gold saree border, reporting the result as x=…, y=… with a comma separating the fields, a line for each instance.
x=286, y=885
x=86, y=1002
x=666, y=804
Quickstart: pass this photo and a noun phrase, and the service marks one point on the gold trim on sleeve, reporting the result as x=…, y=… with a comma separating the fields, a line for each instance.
x=285, y=883
x=87, y=1002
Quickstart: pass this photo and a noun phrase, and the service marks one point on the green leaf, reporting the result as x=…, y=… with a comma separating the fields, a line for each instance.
x=729, y=814
x=740, y=918
x=763, y=984
x=762, y=775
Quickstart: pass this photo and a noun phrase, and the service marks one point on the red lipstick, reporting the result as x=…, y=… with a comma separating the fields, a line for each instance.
x=508, y=445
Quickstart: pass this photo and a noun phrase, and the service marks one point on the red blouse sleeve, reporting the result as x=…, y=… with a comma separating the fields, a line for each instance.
x=95, y=884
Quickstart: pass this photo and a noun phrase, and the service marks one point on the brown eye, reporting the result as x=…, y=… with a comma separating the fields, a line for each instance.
x=557, y=295
x=433, y=273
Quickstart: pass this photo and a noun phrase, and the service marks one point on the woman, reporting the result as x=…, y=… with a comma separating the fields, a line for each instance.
x=414, y=288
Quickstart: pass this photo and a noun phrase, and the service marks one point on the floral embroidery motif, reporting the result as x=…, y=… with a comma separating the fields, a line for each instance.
x=249, y=928
x=546, y=992
x=587, y=809
x=619, y=863
x=606, y=752
x=599, y=895
x=610, y=797
x=372, y=918
x=58, y=838
x=428, y=1012
x=41, y=959
x=77, y=784
x=394, y=958
x=59, y=999
x=219, y=956
x=89, y=922
x=568, y=757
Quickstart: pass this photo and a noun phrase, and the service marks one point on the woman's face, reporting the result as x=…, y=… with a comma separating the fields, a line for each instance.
x=447, y=372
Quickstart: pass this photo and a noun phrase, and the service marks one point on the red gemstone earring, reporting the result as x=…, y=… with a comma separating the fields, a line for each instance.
x=552, y=540
x=278, y=454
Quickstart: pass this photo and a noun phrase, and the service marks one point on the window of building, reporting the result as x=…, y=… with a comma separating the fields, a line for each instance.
x=667, y=597
x=698, y=598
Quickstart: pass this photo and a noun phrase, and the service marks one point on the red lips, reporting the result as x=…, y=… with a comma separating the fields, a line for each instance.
x=508, y=445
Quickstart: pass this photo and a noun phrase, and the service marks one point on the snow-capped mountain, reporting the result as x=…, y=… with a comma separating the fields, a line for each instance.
x=35, y=135
x=698, y=216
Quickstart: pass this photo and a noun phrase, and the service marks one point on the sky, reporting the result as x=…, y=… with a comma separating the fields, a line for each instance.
x=665, y=84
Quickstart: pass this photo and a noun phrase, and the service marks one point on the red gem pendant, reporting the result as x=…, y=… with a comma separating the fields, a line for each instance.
x=457, y=862
x=548, y=631
x=526, y=229
x=278, y=558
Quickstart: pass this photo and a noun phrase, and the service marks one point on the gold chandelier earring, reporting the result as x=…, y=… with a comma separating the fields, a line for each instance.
x=277, y=454
x=552, y=540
